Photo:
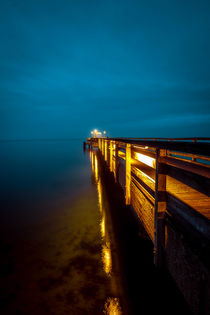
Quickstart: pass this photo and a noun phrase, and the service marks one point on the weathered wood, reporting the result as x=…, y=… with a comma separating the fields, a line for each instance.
x=121, y=154
x=144, y=208
x=144, y=185
x=116, y=163
x=195, y=156
x=187, y=181
x=160, y=208
x=145, y=152
x=189, y=166
x=198, y=182
x=99, y=143
x=128, y=174
x=106, y=150
x=187, y=216
x=111, y=155
x=171, y=198
x=199, y=148
x=143, y=189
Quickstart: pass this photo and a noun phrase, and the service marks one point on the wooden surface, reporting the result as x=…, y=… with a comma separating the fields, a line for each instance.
x=187, y=177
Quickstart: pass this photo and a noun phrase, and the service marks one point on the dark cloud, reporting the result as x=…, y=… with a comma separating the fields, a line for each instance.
x=130, y=67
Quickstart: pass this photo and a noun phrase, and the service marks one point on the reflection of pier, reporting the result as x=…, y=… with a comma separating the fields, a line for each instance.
x=167, y=184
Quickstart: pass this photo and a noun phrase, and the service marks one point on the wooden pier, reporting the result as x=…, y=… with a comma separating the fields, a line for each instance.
x=166, y=182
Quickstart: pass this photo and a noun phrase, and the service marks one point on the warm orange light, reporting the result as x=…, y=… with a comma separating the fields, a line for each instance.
x=103, y=227
x=139, y=173
x=99, y=186
x=96, y=168
x=145, y=159
x=92, y=160
x=96, y=134
x=112, y=307
x=107, y=258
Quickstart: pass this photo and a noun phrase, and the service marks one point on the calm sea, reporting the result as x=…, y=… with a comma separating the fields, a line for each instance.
x=68, y=244
x=56, y=250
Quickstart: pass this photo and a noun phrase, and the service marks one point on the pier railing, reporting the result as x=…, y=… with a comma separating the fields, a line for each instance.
x=163, y=178
x=167, y=183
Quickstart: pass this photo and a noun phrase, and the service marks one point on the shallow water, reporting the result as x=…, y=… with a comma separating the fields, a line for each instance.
x=58, y=253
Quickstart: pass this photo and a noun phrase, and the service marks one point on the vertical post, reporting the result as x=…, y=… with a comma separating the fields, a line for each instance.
x=102, y=147
x=99, y=143
x=111, y=156
x=128, y=174
x=160, y=208
x=106, y=149
x=116, y=162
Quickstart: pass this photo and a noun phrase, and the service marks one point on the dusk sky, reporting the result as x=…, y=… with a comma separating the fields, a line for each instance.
x=133, y=68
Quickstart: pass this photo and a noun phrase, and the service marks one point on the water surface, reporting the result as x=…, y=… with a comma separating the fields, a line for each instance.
x=57, y=254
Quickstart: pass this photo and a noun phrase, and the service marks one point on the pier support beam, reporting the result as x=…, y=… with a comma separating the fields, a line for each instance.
x=116, y=162
x=128, y=175
x=160, y=207
x=102, y=146
x=106, y=150
x=111, y=155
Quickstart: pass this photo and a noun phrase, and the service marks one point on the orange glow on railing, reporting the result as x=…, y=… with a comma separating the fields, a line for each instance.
x=140, y=172
x=145, y=159
x=96, y=168
x=121, y=154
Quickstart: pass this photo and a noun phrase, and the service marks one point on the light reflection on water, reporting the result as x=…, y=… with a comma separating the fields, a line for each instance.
x=112, y=305
x=55, y=233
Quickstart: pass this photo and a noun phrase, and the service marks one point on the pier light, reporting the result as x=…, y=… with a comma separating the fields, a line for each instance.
x=145, y=159
x=96, y=134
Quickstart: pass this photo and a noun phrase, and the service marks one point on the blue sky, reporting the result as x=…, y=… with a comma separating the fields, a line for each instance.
x=133, y=68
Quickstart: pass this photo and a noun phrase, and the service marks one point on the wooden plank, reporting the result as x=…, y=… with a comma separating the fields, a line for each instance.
x=191, y=167
x=194, y=180
x=148, y=179
x=147, y=187
x=150, y=172
x=106, y=150
x=188, y=216
x=144, y=152
x=144, y=209
x=128, y=174
x=144, y=191
x=199, y=148
x=189, y=196
x=160, y=209
x=195, y=156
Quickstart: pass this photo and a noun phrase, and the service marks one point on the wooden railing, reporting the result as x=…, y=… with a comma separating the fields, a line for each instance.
x=163, y=178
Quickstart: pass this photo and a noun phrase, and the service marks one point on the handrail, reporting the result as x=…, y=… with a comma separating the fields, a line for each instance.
x=167, y=139
x=199, y=148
